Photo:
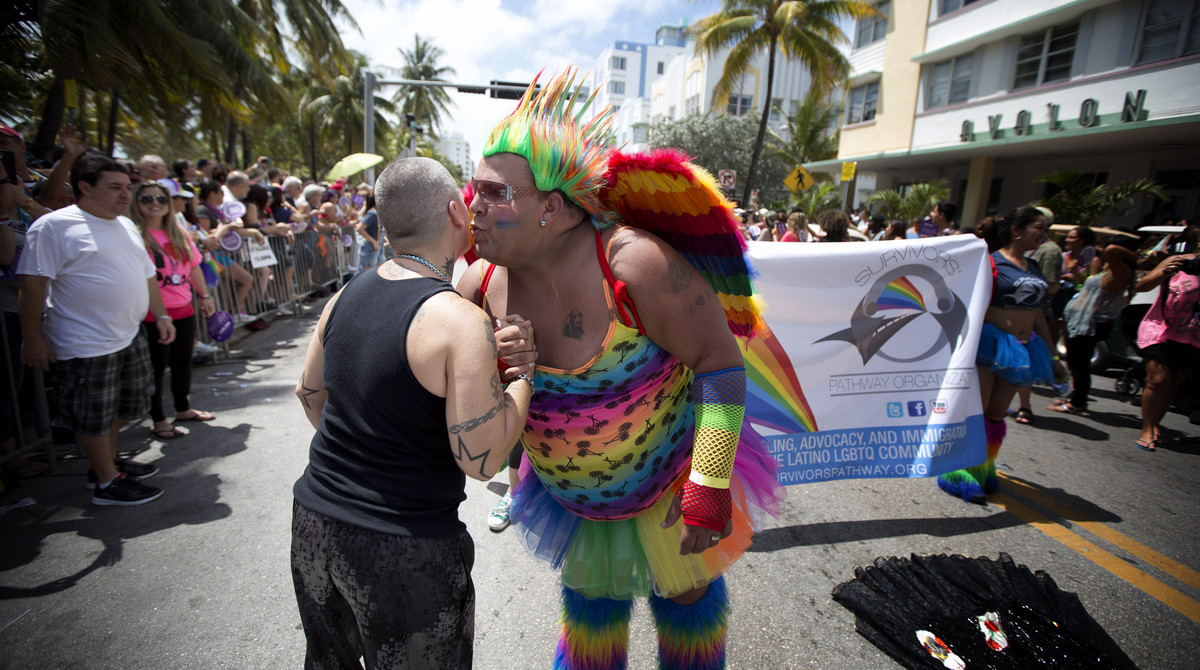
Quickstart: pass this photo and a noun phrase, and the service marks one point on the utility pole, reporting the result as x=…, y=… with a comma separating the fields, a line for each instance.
x=369, y=120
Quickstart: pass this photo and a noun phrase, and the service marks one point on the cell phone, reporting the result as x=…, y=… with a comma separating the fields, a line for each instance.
x=10, y=167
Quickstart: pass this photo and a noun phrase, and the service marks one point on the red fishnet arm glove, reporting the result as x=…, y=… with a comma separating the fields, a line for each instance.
x=705, y=506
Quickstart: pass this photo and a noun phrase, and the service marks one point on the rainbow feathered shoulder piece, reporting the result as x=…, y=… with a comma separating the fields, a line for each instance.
x=662, y=193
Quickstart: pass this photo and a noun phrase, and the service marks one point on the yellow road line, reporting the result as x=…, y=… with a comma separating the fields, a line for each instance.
x=1177, y=570
x=1169, y=596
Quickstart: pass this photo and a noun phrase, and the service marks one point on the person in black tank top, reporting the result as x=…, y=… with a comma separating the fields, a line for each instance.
x=405, y=401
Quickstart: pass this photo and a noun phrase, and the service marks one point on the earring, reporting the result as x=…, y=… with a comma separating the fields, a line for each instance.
x=543, y=224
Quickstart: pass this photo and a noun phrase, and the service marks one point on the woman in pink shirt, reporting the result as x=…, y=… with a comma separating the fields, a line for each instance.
x=1169, y=335
x=178, y=262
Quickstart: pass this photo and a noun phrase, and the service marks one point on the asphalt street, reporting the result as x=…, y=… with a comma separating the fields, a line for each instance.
x=200, y=578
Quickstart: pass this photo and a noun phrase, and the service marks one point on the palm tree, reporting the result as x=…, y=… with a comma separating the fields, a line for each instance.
x=1081, y=202
x=809, y=138
x=426, y=103
x=806, y=30
x=916, y=202
x=340, y=108
x=818, y=199
x=141, y=50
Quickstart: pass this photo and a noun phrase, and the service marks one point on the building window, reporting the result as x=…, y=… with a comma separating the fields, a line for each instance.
x=1046, y=56
x=617, y=62
x=863, y=101
x=873, y=29
x=641, y=134
x=949, y=81
x=616, y=87
x=947, y=6
x=661, y=65
x=1171, y=29
x=740, y=104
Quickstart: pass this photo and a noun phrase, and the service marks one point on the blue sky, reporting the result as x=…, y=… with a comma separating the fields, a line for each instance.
x=507, y=39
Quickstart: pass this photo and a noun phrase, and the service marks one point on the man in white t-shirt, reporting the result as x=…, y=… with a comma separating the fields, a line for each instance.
x=87, y=268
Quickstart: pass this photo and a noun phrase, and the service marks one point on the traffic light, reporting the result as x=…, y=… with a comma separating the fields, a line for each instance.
x=509, y=93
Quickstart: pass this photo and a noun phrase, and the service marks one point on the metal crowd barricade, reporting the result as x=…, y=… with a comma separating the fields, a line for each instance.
x=308, y=262
x=40, y=408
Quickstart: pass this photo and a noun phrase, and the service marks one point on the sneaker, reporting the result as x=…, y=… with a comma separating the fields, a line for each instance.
x=243, y=317
x=134, y=471
x=206, y=348
x=498, y=519
x=125, y=491
x=286, y=311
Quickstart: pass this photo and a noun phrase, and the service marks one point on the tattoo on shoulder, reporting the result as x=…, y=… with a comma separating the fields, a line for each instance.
x=471, y=424
x=573, y=326
x=679, y=276
x=463, y=454
x=488, y=327
x=308, y=391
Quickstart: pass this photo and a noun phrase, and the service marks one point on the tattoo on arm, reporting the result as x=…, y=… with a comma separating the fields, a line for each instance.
x=471, y=424
x=573, y=325
x=678, y=275
x=462, y=451
x=308, y=390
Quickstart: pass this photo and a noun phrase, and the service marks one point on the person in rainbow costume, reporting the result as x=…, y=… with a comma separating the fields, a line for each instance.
x=632, y=271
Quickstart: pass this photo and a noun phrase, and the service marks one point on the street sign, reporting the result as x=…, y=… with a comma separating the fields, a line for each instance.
x=848, y=171
x=799, y=180
x=727, y=178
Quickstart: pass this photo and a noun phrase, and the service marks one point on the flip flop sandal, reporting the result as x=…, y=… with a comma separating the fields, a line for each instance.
x=1146, y=447
x=197, y=415
x=1066, y=408
x=1024, y=416
x=167, y=433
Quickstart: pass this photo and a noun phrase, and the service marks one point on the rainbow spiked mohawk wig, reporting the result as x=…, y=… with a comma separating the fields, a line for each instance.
x=565, y=152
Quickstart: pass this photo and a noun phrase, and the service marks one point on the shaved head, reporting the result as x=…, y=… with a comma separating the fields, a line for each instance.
x=411, y=197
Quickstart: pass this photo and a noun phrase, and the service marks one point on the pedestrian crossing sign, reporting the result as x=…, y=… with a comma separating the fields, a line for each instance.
x=799, y=180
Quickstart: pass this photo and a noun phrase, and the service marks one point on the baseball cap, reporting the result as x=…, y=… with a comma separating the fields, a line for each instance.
x=5, y=130
x=1047, y=214
x=173, y=188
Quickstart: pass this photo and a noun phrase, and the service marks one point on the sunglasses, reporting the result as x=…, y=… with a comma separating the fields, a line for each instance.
x=495, y=193
x=147, y=199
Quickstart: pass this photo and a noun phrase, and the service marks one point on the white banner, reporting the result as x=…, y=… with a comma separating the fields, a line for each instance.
x=870, y=367
x=261, y=255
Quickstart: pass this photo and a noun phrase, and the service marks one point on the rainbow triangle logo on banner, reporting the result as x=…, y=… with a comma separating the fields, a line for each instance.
x=774, y=399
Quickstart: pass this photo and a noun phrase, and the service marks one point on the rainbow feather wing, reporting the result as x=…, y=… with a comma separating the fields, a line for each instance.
x=660, y=192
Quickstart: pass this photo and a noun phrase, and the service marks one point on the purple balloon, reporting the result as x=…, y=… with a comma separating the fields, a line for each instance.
x=220, y=326
x=231, y=241
x=358, y=200
x=347, y=240
x=300, y=226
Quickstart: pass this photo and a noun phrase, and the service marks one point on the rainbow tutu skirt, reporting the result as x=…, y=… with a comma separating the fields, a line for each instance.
x=633, y=557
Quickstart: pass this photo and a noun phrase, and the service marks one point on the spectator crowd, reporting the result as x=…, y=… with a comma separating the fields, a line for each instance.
x=114, y=271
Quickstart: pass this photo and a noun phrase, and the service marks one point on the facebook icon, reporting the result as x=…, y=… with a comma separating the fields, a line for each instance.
x=916, y=408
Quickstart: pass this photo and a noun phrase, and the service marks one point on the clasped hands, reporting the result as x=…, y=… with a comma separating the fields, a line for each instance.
x=514, y=343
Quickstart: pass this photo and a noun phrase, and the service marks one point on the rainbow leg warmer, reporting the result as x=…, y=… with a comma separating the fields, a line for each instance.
x=973, y=484
x=692, y=637
x=595, y=633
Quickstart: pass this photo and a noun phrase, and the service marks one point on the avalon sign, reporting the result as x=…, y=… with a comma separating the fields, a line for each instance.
x=1089, y=116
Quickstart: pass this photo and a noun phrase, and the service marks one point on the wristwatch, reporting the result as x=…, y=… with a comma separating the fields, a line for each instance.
x=520, y=377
